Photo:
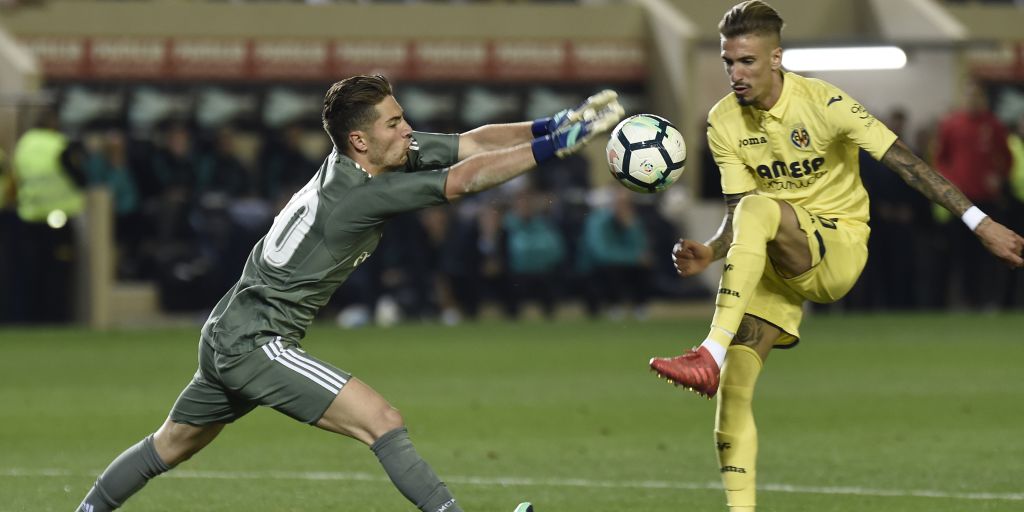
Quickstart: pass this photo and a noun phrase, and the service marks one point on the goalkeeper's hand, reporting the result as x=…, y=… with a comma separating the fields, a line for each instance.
x=572, y=137
x=588, y=109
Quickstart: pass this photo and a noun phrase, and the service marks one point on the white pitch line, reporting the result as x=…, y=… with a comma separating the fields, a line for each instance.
x=545, y=482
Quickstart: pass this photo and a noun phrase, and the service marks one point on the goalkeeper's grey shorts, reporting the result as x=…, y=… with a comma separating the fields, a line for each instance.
x=279, y=375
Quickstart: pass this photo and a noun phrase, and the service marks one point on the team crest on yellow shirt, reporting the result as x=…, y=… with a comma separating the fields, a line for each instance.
x=800, y=137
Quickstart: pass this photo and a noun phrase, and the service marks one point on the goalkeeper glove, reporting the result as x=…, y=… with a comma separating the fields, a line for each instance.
x=572, y=137
x=589, y=108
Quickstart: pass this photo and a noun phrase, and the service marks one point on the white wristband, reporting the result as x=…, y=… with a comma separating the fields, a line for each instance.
x=972, y=217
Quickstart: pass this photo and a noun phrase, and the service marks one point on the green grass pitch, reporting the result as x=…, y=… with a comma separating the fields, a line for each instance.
x=869, y=413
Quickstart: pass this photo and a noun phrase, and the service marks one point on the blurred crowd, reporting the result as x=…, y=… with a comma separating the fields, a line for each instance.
x=921, y=257
x=543, y=241
x=190, y=202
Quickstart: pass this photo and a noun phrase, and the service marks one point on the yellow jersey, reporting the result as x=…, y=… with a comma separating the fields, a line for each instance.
x=803, y=150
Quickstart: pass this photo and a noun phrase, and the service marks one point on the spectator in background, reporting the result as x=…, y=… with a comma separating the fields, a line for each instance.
x=227, y=217
x=393, y=286
x=569, y=182
x=709, y=184
x=182, y=271
x=220, y=171
x=1015, y=296
x=6, y=183
x=175, y=163
x=285, y=167
x=1015, y=142
x=616, y=245
x=174, y=180
x=492, y=248
x=9, y=224
x=536, y=249
x=569, y=178
x=901, y=219
x=108, y=167
x=430, y=287
x=972, y=153
x=472, y=261
x=934, y=292
x=47, y=177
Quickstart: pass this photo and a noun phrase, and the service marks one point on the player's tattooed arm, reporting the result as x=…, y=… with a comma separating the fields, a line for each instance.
x=924, y=179
x=720, y=243
x=997, y=238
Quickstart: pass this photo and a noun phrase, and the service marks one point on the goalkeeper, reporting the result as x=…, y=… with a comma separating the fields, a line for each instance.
x=249, y=349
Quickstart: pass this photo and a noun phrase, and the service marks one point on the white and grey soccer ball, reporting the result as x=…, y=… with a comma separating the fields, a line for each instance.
x=646, y=153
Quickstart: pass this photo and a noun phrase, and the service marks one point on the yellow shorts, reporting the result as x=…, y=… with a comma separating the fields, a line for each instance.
x=839, y=251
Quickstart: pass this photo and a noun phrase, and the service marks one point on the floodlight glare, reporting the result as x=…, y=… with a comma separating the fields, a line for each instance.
x=842, y=59
x=57, y=219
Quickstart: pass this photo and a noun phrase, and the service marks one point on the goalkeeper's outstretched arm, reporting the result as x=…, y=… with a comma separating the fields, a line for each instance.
x=492, y=168
x=499, y=136
x=490, y=137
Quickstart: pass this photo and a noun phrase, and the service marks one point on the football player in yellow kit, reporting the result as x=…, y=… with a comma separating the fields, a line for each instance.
x=796, y=225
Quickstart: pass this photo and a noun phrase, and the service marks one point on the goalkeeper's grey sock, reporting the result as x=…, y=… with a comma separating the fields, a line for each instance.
x=124, y=477
x=411, y=474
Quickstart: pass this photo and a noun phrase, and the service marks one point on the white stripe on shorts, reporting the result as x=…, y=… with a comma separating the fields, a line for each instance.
x=269, y=352
x=317, y=369
x=315, y=372
x=273, y=348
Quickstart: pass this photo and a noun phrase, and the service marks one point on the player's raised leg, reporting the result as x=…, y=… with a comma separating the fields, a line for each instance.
x=762, y=228
x=362, y=413
x=171, y=445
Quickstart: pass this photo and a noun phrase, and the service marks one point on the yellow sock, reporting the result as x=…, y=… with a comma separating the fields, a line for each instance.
x=755, y=222
x=735, y=431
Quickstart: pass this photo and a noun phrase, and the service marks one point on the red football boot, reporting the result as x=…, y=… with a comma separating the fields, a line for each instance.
x=696, y=370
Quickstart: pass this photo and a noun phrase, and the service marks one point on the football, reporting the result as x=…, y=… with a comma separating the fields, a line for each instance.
x=646, y=153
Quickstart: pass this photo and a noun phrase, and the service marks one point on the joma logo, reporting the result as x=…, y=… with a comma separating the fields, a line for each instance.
x=726, y=291
x=752, y=141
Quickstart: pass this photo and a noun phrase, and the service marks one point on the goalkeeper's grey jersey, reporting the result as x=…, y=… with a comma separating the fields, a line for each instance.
x=330, y=227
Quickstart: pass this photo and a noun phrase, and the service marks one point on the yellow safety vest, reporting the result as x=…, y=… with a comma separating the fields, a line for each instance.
x=43, y=186
x=1016, y=144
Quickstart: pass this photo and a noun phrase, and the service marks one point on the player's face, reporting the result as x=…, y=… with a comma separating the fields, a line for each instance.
x=752, y=62
x=389, y=137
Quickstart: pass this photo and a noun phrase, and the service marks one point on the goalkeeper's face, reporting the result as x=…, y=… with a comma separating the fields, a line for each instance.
x=752, y=62
x=389, y=137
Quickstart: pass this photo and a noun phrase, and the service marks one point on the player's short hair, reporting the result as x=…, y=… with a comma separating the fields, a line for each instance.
x=751, y=17
x=349, y=105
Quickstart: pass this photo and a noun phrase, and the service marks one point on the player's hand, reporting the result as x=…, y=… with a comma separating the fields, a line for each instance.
x=690, y=257
x=1001, y=242
x=573, y=137
x=586, y=110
